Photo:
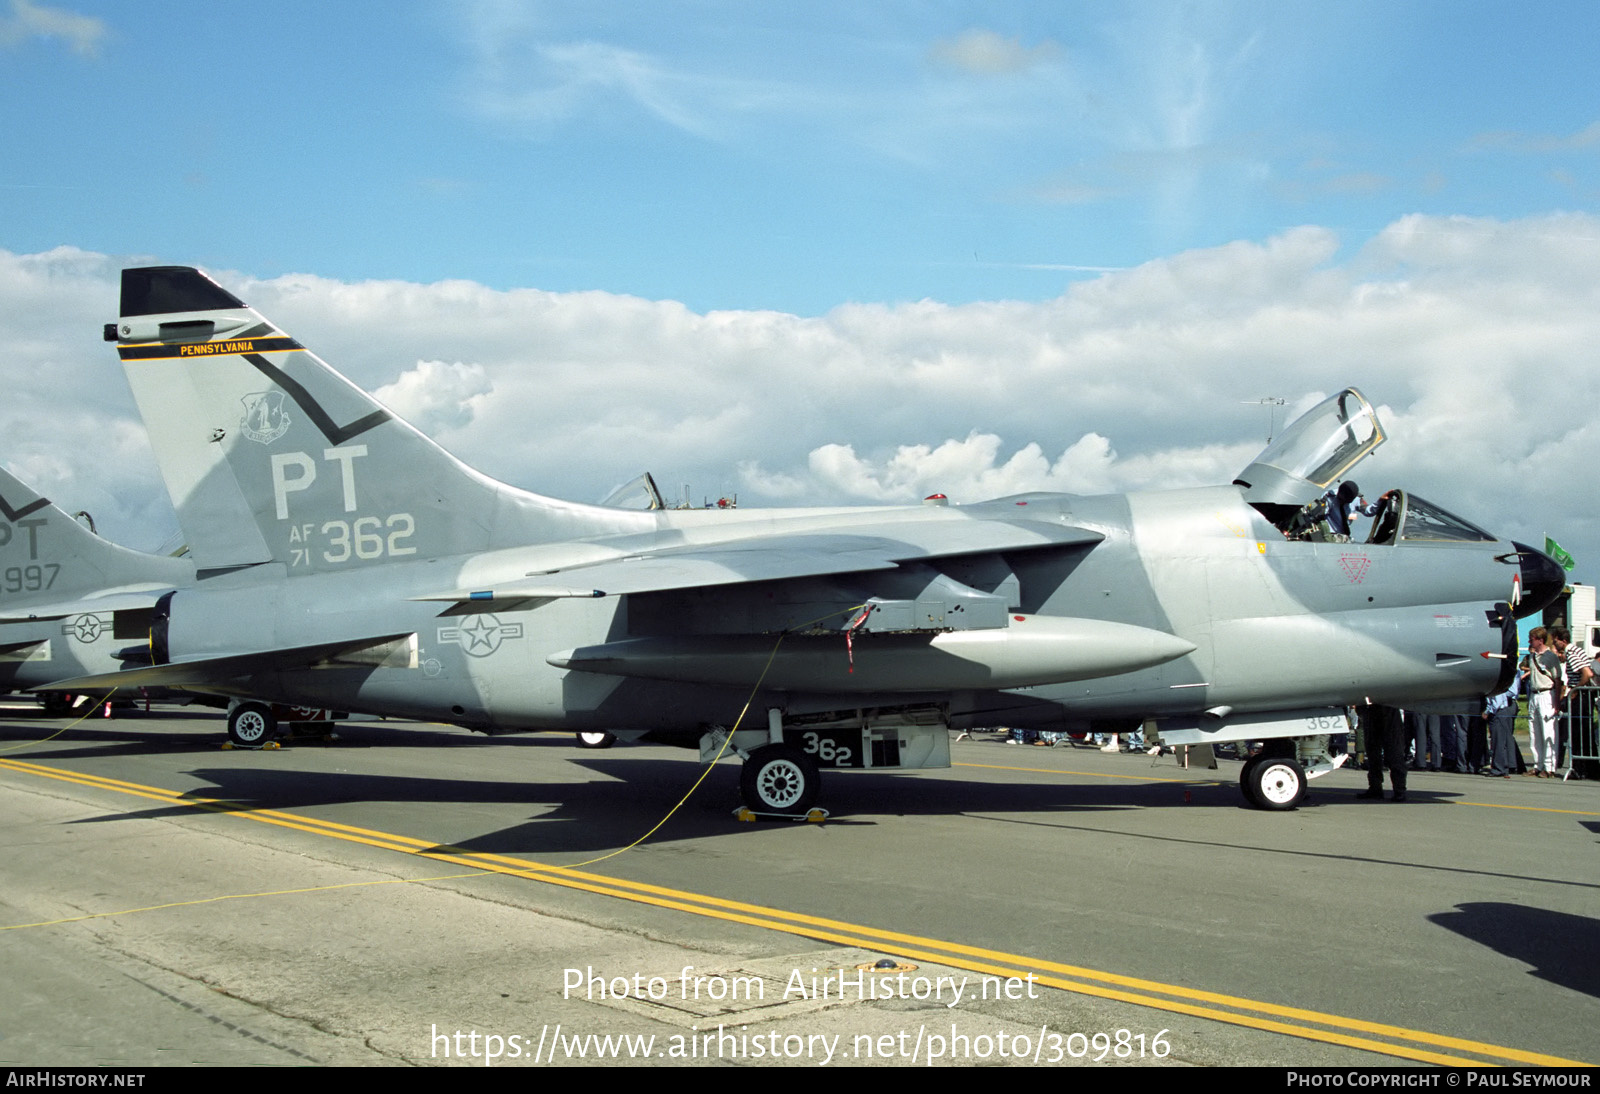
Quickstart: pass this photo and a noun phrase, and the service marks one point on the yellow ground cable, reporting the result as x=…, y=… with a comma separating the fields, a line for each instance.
x=726, y=741
x=92, y=708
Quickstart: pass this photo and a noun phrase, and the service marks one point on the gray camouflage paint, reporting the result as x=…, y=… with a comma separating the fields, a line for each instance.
x=325, y=527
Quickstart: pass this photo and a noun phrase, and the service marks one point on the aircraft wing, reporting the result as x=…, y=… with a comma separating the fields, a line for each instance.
x=779, y=557
x=213, y=671
x=111, y=602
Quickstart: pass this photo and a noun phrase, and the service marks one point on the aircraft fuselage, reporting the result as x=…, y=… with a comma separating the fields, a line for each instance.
x=1274, y=623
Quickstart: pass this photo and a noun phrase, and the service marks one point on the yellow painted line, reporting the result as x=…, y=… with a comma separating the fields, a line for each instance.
x=1091, y=774
x=1530, y=808
x=1148, y=993
x=92, y=780
x=822, y=927
x=1221, y=782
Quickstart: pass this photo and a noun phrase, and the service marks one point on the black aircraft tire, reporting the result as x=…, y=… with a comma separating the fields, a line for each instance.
x=596, y=738
x=1247, y=775
x=1279, y=783
x=780, y=779
x=251, y=724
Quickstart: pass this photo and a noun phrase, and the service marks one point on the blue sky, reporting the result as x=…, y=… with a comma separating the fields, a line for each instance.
x=775, y=156
x=830, y=253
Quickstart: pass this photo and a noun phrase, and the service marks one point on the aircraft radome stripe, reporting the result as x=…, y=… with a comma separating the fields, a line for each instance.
x=1083, y=981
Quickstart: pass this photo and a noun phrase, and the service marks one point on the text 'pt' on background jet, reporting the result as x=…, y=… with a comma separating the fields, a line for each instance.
x=71, y=603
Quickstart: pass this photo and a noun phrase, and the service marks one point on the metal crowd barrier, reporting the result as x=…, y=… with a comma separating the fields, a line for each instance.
x=1583, y=736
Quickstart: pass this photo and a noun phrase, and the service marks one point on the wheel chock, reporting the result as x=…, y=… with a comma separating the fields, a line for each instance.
x=814, y=815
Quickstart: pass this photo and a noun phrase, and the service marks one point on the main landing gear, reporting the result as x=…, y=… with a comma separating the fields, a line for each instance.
x=251, y=725
x=780, y=779
x=784, y=760
x=57, y=704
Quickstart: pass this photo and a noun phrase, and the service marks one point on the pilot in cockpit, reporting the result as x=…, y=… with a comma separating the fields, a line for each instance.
x=1343, y=505
x=1328, y=518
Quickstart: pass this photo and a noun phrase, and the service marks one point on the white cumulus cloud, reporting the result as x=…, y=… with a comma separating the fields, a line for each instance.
x=1475, y=338
x=435, y=396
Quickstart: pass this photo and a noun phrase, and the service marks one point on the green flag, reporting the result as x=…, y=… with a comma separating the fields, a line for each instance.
x=1555, y=551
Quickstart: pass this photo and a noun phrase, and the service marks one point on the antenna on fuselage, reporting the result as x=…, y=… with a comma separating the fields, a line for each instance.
x=1272, y=403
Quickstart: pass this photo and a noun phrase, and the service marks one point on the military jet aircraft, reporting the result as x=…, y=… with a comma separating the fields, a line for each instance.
x=71, y=603
x=347, y=561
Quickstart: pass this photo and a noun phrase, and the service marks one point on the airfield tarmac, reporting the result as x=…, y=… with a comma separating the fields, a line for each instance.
x=166, y=901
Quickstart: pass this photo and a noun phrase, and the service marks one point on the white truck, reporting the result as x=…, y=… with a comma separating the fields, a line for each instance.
x=1581, y=618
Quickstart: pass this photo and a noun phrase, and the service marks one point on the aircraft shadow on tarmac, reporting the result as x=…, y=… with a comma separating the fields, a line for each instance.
x=608, y=812
x=206, y=731
x=637, y=790
x=1561, y=948
x=582, y=816
x=156, y=732
x=46, y=741
x=640, y=785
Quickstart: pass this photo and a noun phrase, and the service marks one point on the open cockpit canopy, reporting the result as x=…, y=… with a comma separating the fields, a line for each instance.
x=1288, y=480
x=1317, y=449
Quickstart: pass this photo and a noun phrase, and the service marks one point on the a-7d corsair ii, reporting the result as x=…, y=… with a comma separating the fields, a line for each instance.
x=347, y=561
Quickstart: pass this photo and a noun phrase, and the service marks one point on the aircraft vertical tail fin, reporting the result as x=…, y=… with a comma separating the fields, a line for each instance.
x=272, y=456
x=47, y=557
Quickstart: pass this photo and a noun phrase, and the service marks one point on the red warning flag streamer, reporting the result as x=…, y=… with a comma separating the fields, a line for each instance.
x=849, y=635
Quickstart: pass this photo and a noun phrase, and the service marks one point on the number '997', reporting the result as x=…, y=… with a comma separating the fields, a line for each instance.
x=29, y=579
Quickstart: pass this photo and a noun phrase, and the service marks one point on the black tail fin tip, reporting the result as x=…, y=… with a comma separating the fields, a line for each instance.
x=161, y=290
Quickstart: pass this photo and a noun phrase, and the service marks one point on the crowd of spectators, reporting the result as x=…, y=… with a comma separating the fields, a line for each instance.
x=1483, y=743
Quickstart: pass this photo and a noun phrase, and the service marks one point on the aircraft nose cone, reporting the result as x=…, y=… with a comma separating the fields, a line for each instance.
x=1543, y=579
